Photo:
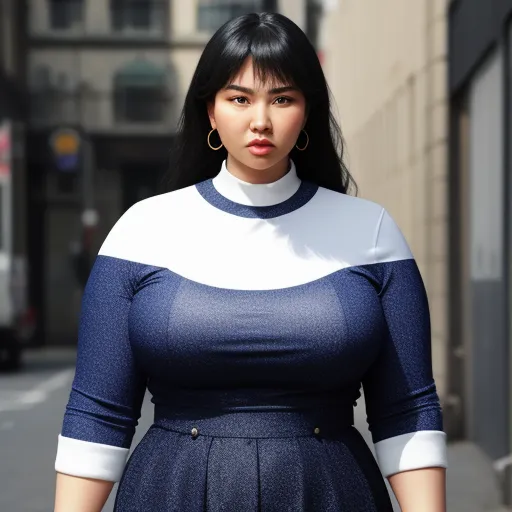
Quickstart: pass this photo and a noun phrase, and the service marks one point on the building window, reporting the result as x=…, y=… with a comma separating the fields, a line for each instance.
x=42, y=94
x=52, y=97
x=214, y=13
x=132, y=14
x=140, y=93
x=64, y=14
x=139, y=104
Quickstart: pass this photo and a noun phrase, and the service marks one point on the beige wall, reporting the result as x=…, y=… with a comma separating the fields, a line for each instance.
x=386, y=65
x=182, y=19
x=95, y=68
x=295, y=10
x=96, y=22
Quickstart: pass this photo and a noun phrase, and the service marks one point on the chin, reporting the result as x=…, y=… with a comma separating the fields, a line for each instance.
x=261, y=163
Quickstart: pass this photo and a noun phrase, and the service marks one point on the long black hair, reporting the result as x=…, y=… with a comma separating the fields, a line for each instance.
x=280, y=52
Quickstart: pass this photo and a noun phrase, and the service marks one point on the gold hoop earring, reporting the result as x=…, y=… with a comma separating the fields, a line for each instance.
x=209, y=143
x=307, y=141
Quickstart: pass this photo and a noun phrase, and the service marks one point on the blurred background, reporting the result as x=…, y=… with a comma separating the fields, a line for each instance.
x=90, y=94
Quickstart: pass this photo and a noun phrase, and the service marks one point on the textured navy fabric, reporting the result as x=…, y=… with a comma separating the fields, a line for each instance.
x=305, y=192
x=303, y=348
x=108, y=388
x=254, y=388
x=330, y=472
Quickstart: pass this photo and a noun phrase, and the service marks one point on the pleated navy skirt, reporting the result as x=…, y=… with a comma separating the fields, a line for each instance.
x=252, y=462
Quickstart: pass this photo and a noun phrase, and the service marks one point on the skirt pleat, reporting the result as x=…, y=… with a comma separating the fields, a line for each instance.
x=172, y=471
x=185, y=486
x=233, y=478
x=282, y=475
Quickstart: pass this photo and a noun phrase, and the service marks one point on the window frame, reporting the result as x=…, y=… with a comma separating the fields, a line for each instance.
x=235, y=9
x=71, y=10
x=154, y=97
x=124, y=18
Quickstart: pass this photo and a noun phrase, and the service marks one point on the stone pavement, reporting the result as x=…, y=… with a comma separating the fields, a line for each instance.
x=471, y=484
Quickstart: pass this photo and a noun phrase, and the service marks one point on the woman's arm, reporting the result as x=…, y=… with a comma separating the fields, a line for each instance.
x=108, y=388
x=420, y=490
x=403, y=409
x=76, y=494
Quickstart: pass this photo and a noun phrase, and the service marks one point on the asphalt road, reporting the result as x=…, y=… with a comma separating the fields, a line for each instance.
x=32, y=404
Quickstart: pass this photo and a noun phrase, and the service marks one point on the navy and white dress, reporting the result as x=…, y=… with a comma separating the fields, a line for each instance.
x=253, y=314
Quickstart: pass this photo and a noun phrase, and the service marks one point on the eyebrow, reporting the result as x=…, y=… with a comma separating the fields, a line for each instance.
x=246, y=90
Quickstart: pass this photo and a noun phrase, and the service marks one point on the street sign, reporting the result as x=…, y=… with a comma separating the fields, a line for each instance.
x=66, y=145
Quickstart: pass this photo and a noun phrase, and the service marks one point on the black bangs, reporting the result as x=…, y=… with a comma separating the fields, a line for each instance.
x=277, y=58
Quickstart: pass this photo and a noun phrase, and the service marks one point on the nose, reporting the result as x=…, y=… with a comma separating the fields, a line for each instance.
x=261, y=120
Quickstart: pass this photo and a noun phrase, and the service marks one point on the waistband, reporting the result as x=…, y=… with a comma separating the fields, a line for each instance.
x=255, y=424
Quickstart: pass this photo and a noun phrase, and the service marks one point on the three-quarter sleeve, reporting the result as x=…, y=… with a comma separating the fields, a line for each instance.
x=108, y=388
x=403, y=409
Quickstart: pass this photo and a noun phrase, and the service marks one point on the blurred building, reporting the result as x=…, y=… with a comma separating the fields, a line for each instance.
x=388, y=78
x=480, y=88
x=107, y=82
x=447, y=184
x=14, y=271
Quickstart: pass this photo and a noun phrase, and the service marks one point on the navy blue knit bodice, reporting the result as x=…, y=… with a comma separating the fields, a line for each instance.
x=228, y=297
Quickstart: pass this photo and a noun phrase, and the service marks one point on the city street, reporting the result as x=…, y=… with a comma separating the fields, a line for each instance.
x=120, y=144
x=32, y=404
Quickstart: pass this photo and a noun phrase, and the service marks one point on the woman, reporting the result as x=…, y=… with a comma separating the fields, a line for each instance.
x=252, y=301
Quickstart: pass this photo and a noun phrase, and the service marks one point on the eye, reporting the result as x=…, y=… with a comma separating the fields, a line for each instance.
x=236, y=100
x=283, y=100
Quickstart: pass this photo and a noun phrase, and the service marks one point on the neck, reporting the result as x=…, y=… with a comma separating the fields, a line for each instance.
x=259, y=192
x=257, y=176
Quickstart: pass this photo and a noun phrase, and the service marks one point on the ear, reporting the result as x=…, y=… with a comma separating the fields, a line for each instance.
x=210, y=108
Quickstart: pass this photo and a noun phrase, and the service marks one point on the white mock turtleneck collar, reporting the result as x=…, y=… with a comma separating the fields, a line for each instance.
x=251, y=194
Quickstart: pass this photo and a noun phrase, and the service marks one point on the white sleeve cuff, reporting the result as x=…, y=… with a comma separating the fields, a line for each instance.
x=422, y=449
x=90, y=460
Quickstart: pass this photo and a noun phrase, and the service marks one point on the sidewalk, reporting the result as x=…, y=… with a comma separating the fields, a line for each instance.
x=471, y=483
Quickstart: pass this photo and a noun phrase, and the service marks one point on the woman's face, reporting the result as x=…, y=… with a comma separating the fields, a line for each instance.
x=246, y=111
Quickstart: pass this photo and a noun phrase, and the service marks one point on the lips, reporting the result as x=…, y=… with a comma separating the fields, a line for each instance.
x=260, y=149
x=260, y=143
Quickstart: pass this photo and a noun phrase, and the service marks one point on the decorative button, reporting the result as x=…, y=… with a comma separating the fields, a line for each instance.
x=316, y=431
x=194, y=432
